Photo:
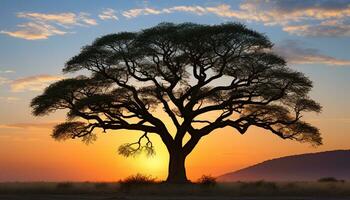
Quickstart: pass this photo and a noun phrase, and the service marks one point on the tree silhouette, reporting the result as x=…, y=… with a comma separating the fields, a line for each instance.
x=190, y=71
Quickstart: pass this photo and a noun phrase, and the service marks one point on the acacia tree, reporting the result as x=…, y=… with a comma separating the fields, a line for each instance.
x=188, y=70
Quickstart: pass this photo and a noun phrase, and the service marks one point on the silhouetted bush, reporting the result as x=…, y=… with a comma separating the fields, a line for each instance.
x=138, y=179
x=329, y=179
x=207, y=180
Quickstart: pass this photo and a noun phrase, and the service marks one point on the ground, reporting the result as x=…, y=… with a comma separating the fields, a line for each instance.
x=260, y=190
x=113, y=197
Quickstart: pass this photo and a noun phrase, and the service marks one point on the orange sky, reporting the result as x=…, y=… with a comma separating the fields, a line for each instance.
x=30, y=154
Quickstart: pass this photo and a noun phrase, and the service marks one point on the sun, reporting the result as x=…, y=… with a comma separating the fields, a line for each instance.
x=155, y=162
x=155, y=165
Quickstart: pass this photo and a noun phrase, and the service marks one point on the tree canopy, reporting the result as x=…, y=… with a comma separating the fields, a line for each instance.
x=188, y=70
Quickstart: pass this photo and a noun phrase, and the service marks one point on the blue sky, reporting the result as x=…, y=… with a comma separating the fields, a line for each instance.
x=37, y=37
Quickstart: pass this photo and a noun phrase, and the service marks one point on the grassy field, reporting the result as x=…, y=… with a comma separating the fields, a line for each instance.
x=236, y=190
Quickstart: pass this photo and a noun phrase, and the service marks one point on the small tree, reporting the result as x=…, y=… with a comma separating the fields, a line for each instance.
x=188, y=70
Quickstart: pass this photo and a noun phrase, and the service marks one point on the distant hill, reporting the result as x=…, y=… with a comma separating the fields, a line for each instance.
x=304, y=167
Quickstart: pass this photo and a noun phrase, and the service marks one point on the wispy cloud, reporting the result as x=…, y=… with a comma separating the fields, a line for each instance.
x=284, y=12
x=85, y=20
x=108, y=14
x=304, y=18
x=65, y=19
x=132, y=13
x=6, y=71
x=44, y=25
x=327, y=28
x=34, y=31
x=295, y=53
x=33, y=83
x=307, y=18
x=61, y=18
x=4, y=80
x=199, y=10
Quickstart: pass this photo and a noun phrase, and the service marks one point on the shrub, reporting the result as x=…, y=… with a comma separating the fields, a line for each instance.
x=138, y=179
x=207, y=180
x=328, y=179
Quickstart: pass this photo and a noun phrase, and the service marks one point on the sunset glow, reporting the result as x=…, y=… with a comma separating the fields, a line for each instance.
x=37, y=38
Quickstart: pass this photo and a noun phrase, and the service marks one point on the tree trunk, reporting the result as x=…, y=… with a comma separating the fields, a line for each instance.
x=177, y=170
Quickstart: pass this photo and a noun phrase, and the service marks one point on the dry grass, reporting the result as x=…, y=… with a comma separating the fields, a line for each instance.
x=57, y=188
x=153, y=188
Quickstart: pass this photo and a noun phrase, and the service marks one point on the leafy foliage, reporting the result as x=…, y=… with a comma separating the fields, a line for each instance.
x=132, y=149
